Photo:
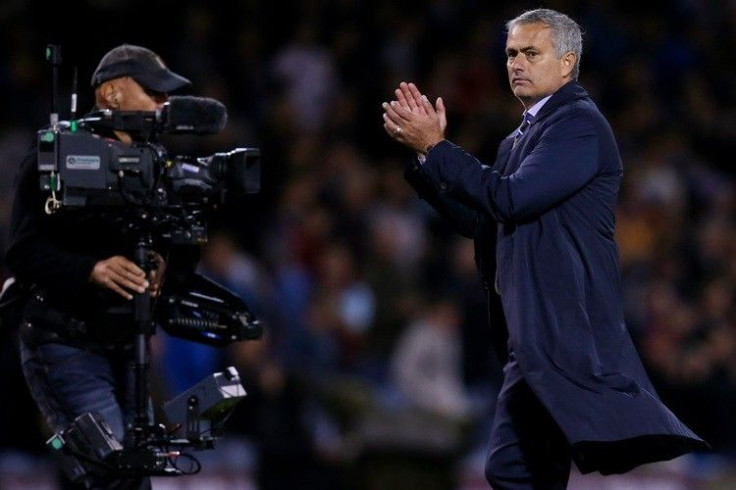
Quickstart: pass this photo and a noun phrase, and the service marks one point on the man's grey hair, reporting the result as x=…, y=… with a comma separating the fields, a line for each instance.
x=566, y=37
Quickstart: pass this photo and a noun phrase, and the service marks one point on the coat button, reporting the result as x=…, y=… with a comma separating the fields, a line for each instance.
x=443, y=186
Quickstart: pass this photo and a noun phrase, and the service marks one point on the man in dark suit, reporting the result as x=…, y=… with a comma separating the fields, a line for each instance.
x=543, y=221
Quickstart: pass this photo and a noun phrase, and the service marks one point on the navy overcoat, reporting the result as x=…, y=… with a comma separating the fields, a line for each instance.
x=544, y=213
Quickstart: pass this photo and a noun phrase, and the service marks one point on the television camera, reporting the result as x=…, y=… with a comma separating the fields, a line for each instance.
x=82, y=168
x=154, y=195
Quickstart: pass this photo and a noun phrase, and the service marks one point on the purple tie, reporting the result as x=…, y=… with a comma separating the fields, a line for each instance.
x=528, y=118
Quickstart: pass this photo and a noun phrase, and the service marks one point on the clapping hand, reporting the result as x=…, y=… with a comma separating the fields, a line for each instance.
x=412, y=120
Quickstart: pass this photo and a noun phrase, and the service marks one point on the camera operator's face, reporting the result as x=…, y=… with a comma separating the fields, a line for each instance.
x=125, y=94
x=133, y=97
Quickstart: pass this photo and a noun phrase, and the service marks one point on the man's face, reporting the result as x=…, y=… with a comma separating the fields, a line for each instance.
x=133, y=97
x=125, y=94
x=534, y=70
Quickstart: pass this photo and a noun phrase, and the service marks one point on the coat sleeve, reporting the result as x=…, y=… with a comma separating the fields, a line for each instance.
x=563, y=161
x=461, y=217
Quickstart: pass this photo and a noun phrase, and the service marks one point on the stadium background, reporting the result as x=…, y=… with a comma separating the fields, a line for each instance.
x=347, y=268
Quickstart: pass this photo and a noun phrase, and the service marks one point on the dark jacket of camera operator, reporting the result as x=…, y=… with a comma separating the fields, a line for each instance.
x=77, y=262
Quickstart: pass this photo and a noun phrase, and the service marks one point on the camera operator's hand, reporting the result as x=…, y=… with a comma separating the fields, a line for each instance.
x=120, y=275
x=156, y=276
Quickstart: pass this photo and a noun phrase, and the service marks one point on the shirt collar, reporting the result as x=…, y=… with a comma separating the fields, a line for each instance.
x=533, y=110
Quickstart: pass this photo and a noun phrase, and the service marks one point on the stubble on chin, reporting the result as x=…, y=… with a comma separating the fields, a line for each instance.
x=524, y=97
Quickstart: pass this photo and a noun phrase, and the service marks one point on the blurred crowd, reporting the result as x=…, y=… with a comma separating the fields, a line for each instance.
x=376, y=348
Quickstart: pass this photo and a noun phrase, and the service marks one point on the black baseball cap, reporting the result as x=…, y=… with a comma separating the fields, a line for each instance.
x=142, y=65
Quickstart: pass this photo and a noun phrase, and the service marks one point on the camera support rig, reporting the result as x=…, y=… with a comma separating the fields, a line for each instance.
x=197, y=309
x=144, y=330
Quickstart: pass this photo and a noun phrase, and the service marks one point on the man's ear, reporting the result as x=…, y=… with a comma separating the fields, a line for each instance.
x=110, y=94
x=568, y=63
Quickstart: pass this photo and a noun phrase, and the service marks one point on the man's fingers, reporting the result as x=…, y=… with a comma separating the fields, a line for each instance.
x=428, y=105
x=402, y=100
x=155, y=278
x=155, y=286
x=406, y=93
x=392, y=129
x=416, y=95
x=442, y=113
x=389, y=111
x=129, y=277
x=391, y=114
x=137, y=286
x=414, y=91
x=440, y=105
x=402, y=113
x=122, y=292
x=123, y=266
x=129, y=267
x=116, y=273
x=132, y=283
x=390, y=124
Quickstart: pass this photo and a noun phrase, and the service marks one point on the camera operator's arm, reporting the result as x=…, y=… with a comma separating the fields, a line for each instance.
x=31, y=256
x=35, y=259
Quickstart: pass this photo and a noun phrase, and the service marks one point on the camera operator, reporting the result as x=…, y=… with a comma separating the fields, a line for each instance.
x=78, y=331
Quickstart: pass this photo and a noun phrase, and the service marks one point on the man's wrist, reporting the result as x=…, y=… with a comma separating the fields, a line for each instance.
x=429, y=148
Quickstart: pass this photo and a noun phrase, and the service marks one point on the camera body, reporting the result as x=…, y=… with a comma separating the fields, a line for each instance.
x=139, y=182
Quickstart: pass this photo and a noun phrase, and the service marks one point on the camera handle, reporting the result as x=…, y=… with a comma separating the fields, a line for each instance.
x=144, y=329
x=53, y=56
